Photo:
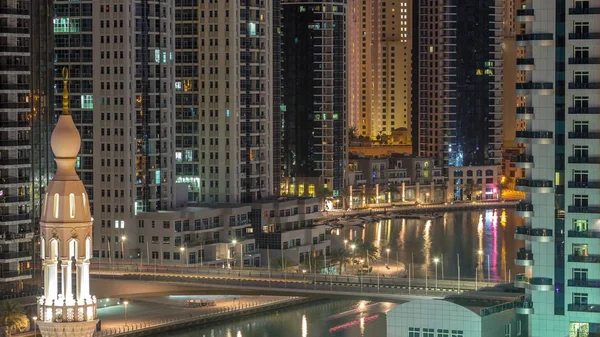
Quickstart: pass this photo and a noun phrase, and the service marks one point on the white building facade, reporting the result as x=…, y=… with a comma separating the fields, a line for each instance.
x=561, y=107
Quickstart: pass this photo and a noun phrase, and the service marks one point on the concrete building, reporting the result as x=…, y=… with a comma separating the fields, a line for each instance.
x=218, y=235
x=285, y=228
x=380, y=48
x=224, y=100
x=121, y=58
x=26, y=116
x=315, y=122
x=474, y=182
x=66, y=239
x=459, y=81
x=465, y=315
x=562, y=138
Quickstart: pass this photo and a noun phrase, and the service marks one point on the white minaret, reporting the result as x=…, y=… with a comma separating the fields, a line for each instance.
x=66, y=239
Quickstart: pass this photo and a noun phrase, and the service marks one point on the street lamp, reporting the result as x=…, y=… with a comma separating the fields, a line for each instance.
x=436, y=260
x=388, y=255
x=234, y=241
x=34, y=318
x=125, y=303
x=123, y=238
x=345, y=243
x=182, y=250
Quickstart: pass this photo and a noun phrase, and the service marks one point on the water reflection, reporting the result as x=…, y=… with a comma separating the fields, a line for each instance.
x=451, y=237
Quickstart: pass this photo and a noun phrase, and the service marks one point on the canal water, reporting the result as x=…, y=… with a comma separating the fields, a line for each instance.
x=453, y=237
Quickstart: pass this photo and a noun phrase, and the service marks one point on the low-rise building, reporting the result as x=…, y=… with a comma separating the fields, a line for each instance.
x=219, y=235
x=474, y=182
x=285, y=227
x=466, y=315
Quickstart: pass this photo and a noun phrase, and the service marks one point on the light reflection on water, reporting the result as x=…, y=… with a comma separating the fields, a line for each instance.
x=453, y=236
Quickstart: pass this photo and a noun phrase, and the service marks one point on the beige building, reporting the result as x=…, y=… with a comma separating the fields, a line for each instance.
x=380, y=46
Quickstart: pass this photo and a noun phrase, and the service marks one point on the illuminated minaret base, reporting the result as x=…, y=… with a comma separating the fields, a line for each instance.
x=66, y=239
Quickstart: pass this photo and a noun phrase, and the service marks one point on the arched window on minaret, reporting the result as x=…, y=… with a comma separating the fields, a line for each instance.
x=88, y=248
x=56, y=204
x=53, y=248
x=73, y=249
x=72, y=205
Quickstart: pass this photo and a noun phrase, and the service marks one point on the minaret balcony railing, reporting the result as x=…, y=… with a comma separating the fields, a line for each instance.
x=63, y=312
x=525, y=15
x=525, y=113
x=523, y=161
x=584, y=11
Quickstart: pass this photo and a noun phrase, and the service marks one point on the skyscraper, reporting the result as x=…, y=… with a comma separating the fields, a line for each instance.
x=314, y=122
x=562, y=138
x=380, y=48
x=459, y=95
x=225, y=100
x=25, y=119
x=121, y=59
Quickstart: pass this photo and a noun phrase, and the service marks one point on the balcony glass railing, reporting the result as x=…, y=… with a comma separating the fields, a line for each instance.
x=535, y=134
x=584, y=85
x=545, y=281
x=584, y=60
x=524, y=254
x=533, y=183
x=584, y=283
x=584, y=307
x=535, y=37
x=584, y=184
x=584, y=160
x=584, y=209
x=584, y=11
x=584, y=234
x=525, y=12
x=584, y=135
x=584, y=36
x=522, y=158
x=535, y=85
x=524, y=207
x=584, y=258
x=584, y=110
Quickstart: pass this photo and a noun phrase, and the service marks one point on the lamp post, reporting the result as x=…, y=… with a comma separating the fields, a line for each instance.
x=34, y=325
x=234, y=241
x=388, y=256
x=123, y=238
x=436, y=260
x=182, y=250
x=125, y=303
x=345, y=243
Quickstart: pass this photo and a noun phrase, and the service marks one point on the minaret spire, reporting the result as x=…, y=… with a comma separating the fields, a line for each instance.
x=65, y=103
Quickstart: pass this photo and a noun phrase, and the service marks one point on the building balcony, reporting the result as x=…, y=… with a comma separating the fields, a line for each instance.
x=541, y=284
x=14, y=11
x=537, y=88
x=534, y=186
x=536, y=39
x=584, y=283
x=15, y=162
x=525, y=64
x=524, y=308
x=521, y=281
x=14, y=198
x=14, y=275
x=524, y=209
x=541, y=235
x=9, y=237
x=523, y=161
x=584, y=160
x=584, y=60
x=14, y=180
x=584, y=209
x=584, y=110
x=584, y=36
x=525, y=113
x=522, y=232
x=584, y=11
x=14, y=217
x=584, y=307
x=584, y=184
x=584, y=85
x=14, y=143
x=15, y=256
x=584, y=135
x=524, y=257
x=593, y=258
x=584, y=234
x=535, y=137
x=525, y=15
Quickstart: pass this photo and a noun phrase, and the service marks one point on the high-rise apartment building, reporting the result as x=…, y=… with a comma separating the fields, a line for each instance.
x=26, y=113
x=459, y=70
x=121, y=58
x=561, y=106
x=379, y=48
x=224, y=94
x=315, y=145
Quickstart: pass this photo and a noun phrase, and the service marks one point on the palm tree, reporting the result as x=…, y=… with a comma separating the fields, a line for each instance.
x=344, y=196
x=391, y=189
x=340, y=257
x=13, y=318
x=468, y=190
x=367, y=251
x=283, y=264
x=444, y=188
x=323, y=194
x=368, y=192
x=352, y=133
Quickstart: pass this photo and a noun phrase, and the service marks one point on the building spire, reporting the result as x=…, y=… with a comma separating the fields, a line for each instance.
x=65, y=74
